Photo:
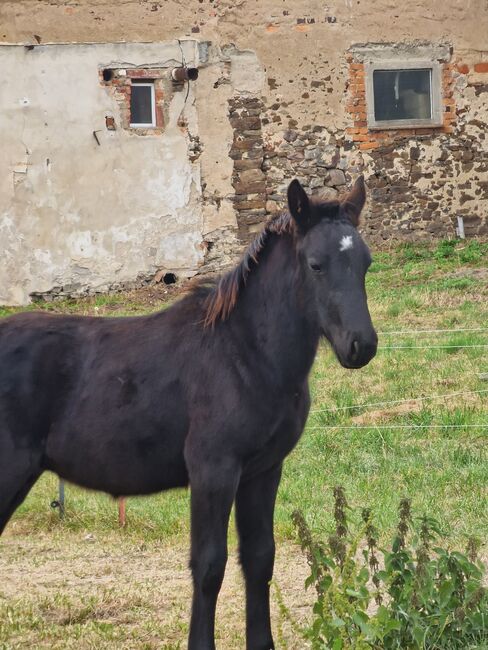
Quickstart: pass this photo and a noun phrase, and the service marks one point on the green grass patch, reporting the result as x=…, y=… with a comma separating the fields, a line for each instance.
x=444, y=470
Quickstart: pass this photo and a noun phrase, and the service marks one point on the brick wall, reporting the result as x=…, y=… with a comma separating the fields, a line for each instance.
x=367, y=139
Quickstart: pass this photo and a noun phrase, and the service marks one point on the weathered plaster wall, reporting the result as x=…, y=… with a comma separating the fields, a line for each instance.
x=86, y=208
x=272, y=103
x=75, y=213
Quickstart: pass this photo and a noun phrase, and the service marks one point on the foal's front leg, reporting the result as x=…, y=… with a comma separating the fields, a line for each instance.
x=213, y=488
x=255, y=502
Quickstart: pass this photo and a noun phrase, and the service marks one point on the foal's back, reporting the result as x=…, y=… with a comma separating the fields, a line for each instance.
x=104, y=401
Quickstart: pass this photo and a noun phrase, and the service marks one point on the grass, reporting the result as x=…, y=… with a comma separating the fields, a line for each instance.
x=381, y=454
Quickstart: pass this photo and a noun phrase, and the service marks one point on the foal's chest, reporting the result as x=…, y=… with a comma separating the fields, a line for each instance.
x=283, y=433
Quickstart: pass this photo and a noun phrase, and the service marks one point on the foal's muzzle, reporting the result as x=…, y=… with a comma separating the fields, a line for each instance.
x=358, y=350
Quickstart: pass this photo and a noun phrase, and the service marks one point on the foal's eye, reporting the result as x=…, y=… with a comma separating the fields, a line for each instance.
x=315, y=267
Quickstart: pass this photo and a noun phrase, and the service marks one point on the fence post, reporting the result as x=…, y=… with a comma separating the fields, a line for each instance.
x=61, y=498
x=59, y=502
x=460, y=228
x=122, y=512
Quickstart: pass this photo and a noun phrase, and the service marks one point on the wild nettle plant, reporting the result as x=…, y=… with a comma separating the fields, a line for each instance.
x=415, y=595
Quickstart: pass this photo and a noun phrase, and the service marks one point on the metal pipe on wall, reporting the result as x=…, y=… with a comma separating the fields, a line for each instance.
x=184, y=74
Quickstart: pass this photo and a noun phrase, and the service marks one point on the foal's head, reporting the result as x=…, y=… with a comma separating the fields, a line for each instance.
x=334, y=260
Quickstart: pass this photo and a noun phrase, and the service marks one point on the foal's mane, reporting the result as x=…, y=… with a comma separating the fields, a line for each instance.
x=223, y=296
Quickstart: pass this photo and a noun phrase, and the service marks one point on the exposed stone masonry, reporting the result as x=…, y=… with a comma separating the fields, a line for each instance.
x=247, y=151
x=414, y=184
x=313, y=156
x=262, y=172
x=415, y=176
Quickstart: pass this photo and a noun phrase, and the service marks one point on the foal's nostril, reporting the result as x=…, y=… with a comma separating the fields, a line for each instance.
x=355, y=350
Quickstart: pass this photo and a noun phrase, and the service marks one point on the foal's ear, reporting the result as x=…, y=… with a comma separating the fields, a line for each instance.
x=355, y=200
x=299, y=204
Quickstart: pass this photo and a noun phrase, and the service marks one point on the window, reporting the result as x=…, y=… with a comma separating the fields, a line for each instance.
x=403, y=94
x=142, y=104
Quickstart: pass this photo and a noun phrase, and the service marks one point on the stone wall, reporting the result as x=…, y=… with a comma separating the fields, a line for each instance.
x=415, y=175
x=247, y=152
x=420, y=180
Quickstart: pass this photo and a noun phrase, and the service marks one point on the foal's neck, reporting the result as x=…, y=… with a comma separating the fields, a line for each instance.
x=276, y=311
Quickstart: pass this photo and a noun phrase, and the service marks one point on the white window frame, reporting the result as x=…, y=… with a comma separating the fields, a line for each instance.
x=142, y=125
x=436, y=118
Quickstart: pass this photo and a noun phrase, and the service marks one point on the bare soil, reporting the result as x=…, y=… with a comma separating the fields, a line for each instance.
x=73, y=580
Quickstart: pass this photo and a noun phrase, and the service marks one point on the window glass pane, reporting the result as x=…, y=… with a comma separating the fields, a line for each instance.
x=402, y=94
x=141, y=105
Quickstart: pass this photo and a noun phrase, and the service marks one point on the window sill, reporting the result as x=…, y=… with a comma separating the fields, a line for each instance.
x=405, y=124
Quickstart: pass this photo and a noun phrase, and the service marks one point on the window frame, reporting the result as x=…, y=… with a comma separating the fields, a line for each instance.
x=405, y=64
x=144, y=125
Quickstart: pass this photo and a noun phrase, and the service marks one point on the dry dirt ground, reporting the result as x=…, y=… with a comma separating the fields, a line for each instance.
x=80, y=591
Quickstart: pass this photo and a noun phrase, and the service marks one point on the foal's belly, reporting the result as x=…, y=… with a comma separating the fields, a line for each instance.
x=123, y=438
x=120, y=465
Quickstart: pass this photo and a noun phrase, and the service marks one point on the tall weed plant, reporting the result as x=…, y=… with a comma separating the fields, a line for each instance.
x=416, y=594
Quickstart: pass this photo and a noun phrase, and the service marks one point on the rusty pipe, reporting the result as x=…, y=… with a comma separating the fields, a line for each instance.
x=184, y=74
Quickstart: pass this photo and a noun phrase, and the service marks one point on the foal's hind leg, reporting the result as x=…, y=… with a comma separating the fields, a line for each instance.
x=213, y=487
x=19, y=470
x=255, y=503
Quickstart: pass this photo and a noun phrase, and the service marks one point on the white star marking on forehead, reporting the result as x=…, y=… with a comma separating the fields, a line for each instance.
x=346, y=243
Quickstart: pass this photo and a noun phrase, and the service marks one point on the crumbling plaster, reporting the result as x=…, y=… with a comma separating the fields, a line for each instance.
x=76, y=211
x=87, y=209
